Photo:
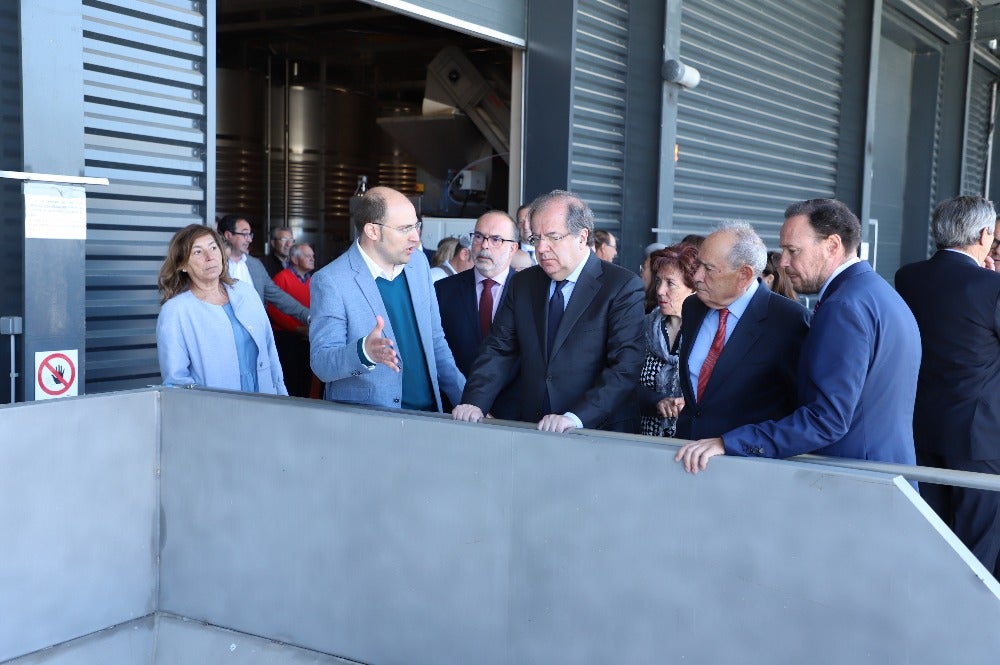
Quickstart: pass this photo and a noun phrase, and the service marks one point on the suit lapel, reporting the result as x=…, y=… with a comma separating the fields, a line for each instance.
x=690, y=325
x=366, y=284
x=419, y=297
x=469, y=303
x=586, y=287
x=540, y=305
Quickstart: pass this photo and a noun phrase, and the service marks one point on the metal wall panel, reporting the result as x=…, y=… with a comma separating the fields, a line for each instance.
x=597, y=116
x=762, y=128
x=145, y=115
x=502, y=22
x=979, y=101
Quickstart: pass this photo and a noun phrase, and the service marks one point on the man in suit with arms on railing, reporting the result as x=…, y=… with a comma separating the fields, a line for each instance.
x=956, y=421
x=857, y=375
x=573, y=322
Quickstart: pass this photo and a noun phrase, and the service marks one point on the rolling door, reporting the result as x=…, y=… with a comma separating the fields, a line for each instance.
x=145, y=126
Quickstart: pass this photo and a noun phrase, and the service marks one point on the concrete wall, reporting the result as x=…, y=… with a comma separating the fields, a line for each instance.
x=292, y=531
x=78, y=516
x=390, y=539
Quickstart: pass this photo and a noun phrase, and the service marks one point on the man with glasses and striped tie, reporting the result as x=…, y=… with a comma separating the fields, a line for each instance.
x=376, y=334
x=570, y=327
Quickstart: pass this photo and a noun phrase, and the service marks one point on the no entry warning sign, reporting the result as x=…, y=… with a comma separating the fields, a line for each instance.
x=55, y=374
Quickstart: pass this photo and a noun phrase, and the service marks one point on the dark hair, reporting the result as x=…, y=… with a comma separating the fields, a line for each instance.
x=683, y=256
x=693, y=239
x=602, y=237
x=829, y=217
x=371, y=208
x=228, y=223
x=781, y=284
x=172, y=281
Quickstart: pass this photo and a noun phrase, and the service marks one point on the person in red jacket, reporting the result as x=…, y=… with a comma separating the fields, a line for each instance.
x=290, y=335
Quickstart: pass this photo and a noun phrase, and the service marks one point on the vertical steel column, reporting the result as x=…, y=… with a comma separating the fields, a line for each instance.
x=970, y=62
x=864, y=212
x=668, y=124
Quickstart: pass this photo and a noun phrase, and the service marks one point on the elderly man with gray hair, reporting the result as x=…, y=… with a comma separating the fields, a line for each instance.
x=740, y=343
x=956, y=418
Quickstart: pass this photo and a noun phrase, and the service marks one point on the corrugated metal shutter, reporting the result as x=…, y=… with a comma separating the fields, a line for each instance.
x=144, y=105
x=496, y=21
x=761, y=129
x=597, y=133
x=979, y=120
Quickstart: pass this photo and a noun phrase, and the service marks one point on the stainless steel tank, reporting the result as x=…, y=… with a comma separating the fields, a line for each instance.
x=239, y=145
x=396, y=168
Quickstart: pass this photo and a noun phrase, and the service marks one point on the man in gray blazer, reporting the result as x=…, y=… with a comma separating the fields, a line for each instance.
x=235, y=229
x=376, y=335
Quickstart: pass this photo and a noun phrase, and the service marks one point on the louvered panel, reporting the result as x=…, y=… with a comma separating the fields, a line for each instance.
x=597, y=135
x=144, y=92
x=761, y=129
x=979, y=119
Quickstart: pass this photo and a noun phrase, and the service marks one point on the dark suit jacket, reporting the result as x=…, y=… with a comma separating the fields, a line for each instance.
x=272, y=264
x=597, y=354
x=459, y=305
x=754, y=378
x=957, y=306
x=857, y=379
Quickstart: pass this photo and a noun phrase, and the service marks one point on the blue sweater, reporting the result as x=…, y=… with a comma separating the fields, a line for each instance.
x=418, y=393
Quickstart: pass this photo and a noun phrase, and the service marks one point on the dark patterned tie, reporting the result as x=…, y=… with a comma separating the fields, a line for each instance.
x=713, y=353
x=486, y=307
x=557, y=305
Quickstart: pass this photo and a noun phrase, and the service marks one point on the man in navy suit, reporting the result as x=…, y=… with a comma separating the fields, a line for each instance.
x=753, y=377
x=957, y=415
x=573, y=322
x=858, y=370
x=470, y=299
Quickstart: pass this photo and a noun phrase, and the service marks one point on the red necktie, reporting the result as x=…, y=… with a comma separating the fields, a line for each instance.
x=486, y=307
x=713, y=353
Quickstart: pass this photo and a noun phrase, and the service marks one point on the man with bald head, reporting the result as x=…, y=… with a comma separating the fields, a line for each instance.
x=740, y=343
x=570, y=327
x=376, y=334
x=469, y=300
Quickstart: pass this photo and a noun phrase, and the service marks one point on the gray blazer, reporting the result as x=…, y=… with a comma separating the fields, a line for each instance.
x=270, y=292
x=345, y=302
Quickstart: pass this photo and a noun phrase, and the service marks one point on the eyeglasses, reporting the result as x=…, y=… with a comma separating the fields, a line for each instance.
x=405, y=230
x=553, y=238
x=478, y=237
x=996, y=243
x=245, y=234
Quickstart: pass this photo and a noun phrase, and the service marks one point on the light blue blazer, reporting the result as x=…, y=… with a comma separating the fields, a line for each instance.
x=195, y=342
x=344, y=301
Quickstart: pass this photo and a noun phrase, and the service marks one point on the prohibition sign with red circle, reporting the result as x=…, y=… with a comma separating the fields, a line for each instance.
x=63, y=383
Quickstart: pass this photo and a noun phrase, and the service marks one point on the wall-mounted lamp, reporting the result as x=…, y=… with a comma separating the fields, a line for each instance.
x=686, y=76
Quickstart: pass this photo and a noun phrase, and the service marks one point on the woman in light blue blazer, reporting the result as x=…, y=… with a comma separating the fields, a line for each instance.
x=212, y=330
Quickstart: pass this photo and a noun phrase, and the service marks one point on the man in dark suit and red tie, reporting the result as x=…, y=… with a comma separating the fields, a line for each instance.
x=956, y=421
x=857, y=374
x=573, y=322
x=740, y=342
x=470, y=299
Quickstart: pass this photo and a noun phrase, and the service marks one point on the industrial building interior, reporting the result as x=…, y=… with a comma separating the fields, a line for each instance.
x=353, y=81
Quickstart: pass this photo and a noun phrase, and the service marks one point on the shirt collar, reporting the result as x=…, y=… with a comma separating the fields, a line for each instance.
x=242, y=259
x=841, y=268
x=739, y=306
x=376, y=271
x=500, y=279
x=575, y=275
x=958, y=251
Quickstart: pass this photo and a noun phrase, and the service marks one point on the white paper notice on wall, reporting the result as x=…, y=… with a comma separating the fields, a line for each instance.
x=55, y=211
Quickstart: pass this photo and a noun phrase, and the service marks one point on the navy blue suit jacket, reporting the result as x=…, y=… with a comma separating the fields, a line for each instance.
x=459, y=305
x=594, y=366
x=857, y=379
x=754, y=378
x=957, y=306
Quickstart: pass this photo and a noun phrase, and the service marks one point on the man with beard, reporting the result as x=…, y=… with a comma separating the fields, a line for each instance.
x=857, y=375
x=470, y=299
x=376, y=334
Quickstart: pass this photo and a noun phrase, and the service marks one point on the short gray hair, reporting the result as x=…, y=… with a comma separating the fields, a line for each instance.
x=748, y=250
x=579, y=216
x=296, y=249
x=958, y=222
